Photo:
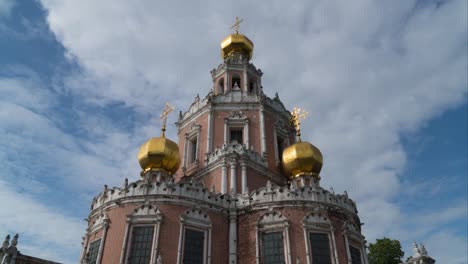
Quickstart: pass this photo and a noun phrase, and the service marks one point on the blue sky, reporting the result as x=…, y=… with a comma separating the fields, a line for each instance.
x=82, y=83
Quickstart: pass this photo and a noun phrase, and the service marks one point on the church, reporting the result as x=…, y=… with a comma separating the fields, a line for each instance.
x=239, y=186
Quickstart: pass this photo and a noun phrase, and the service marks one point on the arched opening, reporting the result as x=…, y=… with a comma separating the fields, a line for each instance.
x=220, y=86
x=236, y=82
x=252, y=86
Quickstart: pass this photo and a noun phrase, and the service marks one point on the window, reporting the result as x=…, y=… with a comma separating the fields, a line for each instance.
x=280, y=145
x=193, y=149
x=93, y=251
x=194, y=246
x=320, y=247
x=236, y=136
x=142, y=240
x=355, y=255
x=272, y=248
x=194, y=237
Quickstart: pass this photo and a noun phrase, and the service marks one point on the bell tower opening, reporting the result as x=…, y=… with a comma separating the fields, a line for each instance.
x=220, y=89
x=236, y=82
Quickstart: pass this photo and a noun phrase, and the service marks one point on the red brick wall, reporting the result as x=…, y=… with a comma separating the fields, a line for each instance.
x=169, y=233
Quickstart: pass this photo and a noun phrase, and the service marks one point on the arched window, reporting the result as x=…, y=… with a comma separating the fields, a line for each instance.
x=220, y=86
x=194, y=237
x=320, y=244
x=236, y=82
x=273, y=239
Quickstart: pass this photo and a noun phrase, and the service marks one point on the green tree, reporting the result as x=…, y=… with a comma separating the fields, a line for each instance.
x=385, y=251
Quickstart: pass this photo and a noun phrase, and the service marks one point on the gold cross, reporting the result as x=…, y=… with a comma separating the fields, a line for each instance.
x=298, y=115
x=167, y=110
x=236, y=25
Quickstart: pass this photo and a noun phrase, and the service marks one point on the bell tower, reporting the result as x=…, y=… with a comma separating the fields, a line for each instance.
x=233, y=139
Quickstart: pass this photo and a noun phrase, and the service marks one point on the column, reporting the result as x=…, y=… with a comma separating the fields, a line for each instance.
x=224, y=178
x=233, y=176
x=262, y=130
x=247, y=135
x=244, y=176
x=209, y=131
x=233, y=237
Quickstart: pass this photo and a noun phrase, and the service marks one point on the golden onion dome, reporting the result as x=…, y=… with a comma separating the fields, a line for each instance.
x=236, y=43
x=159, y=153
x=302, y=158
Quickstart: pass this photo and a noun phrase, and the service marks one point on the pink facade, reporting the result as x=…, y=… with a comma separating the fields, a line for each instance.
x=229, y=194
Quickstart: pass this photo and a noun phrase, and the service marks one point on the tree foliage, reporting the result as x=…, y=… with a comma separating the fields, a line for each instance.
x=385, y=251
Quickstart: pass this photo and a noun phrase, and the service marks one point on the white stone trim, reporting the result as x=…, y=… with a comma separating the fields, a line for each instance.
x=224, y=177
x=262, y=131
x=237, y=119
x=209, y=131
x=193, y=134
x=244, y=176
x=145, y=215
x=318, y=221
x=273, y=221
x=195, y=219
x=233, y=176
x=351, y=232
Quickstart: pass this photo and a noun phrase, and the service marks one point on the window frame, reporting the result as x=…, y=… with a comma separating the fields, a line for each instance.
x=198, y=220
x=130, y=241
x=354, y=238
x=273, y=222
x=97, y=252
x=237, y=121
x=330, y=244
x=318, y=221
x=144, y=215
x=194, y=134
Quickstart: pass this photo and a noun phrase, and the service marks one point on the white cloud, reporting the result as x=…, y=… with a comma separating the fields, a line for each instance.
x=23, y=214
x=367, y=71
x=5, y=7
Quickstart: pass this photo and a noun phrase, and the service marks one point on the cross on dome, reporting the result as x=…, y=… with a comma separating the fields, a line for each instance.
x=236, y=25
x=168, y=108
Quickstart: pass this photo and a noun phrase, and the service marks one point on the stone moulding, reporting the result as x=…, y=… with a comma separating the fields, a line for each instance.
x=194, y=193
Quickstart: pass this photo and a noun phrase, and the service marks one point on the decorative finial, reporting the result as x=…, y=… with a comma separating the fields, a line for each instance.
x=6, y=243
x=14, y=241
x=298, y=115
x=167, y=109
x=236, y=25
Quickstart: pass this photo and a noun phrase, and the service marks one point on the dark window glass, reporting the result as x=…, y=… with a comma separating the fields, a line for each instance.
x=93, y=251
x=355, y=255
x=280, y=143
x=320, y=246
x=194, y=246
x=272, y=248
x=193, y=150
x=142, y=240
x=236, y=136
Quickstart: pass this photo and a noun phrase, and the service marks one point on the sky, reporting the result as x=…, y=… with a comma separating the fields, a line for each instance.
x=82, y=83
